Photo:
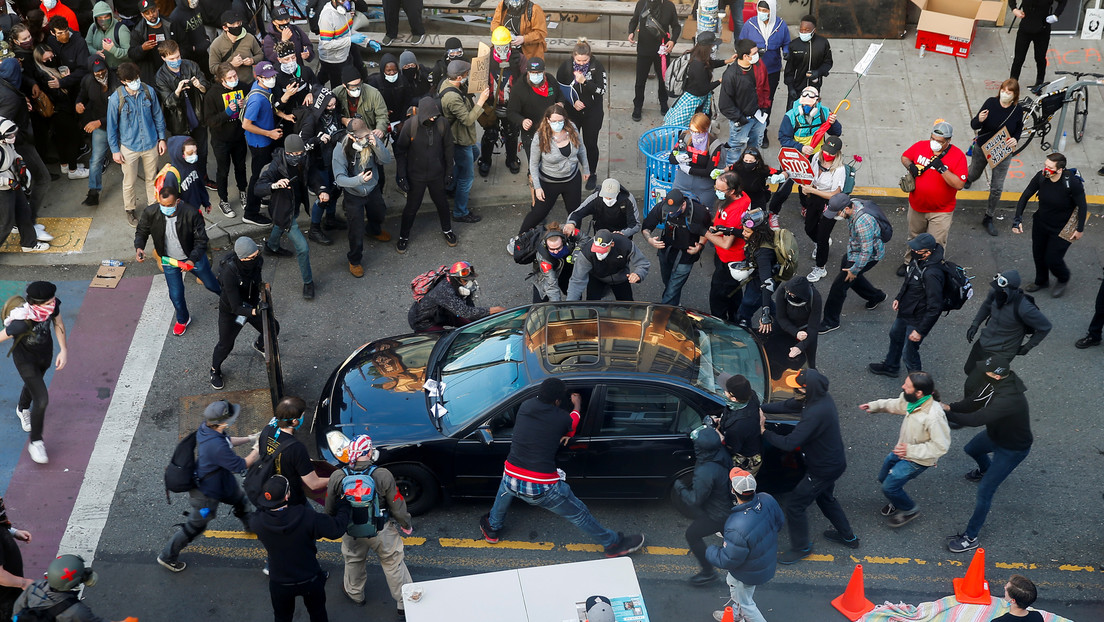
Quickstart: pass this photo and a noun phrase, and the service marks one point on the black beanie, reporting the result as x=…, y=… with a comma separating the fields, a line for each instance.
x=551, y=389
x=739, y=387
x=349, y=73
x=40, y=291
x=452, y=43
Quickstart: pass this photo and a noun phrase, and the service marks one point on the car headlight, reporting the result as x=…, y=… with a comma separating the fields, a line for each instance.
x=338, y=444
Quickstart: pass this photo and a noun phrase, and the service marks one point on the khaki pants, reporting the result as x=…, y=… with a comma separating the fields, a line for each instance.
x=388, y=547
x=936, y=223
x=132, y=160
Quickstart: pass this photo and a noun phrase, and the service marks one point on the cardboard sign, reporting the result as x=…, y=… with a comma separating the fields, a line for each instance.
x=108, y=277
x=996, y=149
x=1094, y=24
x=796, y=165
x=1071, y=227
x=480, y=70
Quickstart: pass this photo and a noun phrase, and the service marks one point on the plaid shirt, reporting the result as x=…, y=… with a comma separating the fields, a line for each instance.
x=524, y=488
x=865, y=244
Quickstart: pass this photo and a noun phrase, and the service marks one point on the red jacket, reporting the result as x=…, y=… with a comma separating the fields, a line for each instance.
x=64, y=11
x=762, y=86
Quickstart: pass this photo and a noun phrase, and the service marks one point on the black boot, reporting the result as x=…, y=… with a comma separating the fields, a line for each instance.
x=484, y=168
x=317, y=235
x=514, y=164
x=987, y=222
x=93, y=198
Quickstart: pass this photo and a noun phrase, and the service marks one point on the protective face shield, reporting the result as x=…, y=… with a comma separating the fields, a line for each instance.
x=739, y=270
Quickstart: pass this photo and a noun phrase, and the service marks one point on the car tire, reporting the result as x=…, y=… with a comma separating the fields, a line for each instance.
x=676, y=499
x=418, y=486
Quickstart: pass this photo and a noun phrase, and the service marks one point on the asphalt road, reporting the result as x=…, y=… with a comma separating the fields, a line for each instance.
x=1044, y=522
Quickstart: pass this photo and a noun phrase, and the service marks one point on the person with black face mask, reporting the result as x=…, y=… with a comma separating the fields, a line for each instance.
x=285, y=181
x=416, y=76
x=454, y=50
x=240, y=302
x=654, y=25
x=12, y=581
x=553, y=265
x=739, y=423
x=1009, y=315
x=792, y=340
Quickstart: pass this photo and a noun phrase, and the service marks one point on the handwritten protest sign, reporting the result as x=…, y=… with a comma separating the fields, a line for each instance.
x=996, y=149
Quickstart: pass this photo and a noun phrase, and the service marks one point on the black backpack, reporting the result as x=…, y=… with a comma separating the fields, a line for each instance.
x=957, y=288
x=262, y=470
x=47, y=614
x=180, y=474
x=524, y=247
x=884, y=226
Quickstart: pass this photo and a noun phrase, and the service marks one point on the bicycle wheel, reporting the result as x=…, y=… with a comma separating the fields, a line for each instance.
x=1032, y=125
x=1080, y=113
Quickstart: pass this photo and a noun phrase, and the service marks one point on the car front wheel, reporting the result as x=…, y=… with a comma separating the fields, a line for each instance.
x=418, y=486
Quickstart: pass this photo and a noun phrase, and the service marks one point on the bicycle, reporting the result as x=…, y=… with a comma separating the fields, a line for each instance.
x=1049, y=99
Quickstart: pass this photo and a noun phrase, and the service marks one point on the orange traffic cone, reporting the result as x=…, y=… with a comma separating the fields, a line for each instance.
x=973, y=589
x=853, y=603
x=728, y=615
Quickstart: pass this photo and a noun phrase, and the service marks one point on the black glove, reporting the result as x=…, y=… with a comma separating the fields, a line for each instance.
x=939, y=166
x=814, y=74
x=403, y=184
x=1016, y=222
x=970, y=332
x=915, y=172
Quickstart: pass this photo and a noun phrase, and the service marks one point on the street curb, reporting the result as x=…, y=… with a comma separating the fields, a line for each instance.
x=963, y=195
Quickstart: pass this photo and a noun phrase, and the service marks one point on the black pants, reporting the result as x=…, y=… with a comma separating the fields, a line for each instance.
x=808, y=490
x=225, y=154
x=838, y=292
x=1096, y=324
x=414, y=198
x=228, y=329
x=360, y=212
x=314, y=598
x=259, y=158
x=1041, y=40
x=596, y=289
x=644, y=64
x=779, y=197
x=817, y=227
x=15, y=211
x=571, y=191
x=589, y=123
x=724, y=292
x=40, y=175
x=772, y=84
x=331, y=72
x=1049, y=252
x=34, y=394
x=701, y=527
x=67, y=136
x=509, y=133
x=413, y=10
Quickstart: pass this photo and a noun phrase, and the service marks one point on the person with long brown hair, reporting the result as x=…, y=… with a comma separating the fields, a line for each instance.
x=556, y=160
x=1002, y=111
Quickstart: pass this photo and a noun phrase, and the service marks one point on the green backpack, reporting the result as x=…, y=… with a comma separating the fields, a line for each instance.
x=785, y=254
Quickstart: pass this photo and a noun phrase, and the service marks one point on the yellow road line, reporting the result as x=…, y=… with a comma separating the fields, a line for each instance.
x=464, y=543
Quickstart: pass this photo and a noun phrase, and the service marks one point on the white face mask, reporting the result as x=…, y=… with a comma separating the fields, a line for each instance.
x=609, y=202
x=354, y=92
x=601, y=256
x=192, y=159
x=1005, y=98
x=805, y=36
x=289, y=68
x=10, y=139
x=49, y=4
x=935, y=145
x=764, y=16
x=134, y=85
x=755, y=58
x=268, y=83
x=230, y=84
x=391, y=77
x=536, y=78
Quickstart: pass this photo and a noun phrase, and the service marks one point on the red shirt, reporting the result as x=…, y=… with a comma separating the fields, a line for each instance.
x=64, y=11
x=932, y=193
x=729, y=216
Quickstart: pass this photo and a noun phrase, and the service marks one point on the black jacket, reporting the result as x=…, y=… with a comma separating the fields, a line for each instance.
x=175, y=107
x=397, y=94
x=241, y=284
x=622, y=217
x=525, y=103
x=1036, y=12
x=441, y=306
x=149, y=61
x=660, y=23
x=423, y=150
x=813, y=57
x=190, y=230
x=818, y=432
x=1008, y=314
x=290, y=536
x=224, y=124
x=739, y=100
x=1058, y=200
x=681, y=231
x=920, y=299
x=999, y=405
x=536, y=437
x=740, y=428
x=94, y=97
x=791, y=319
x=316, y=122
x=284, y=203
x=13, y=105
x=589, y=92
x=74, y=55
x=699, y=76
x=708, y=494
x=188, y=23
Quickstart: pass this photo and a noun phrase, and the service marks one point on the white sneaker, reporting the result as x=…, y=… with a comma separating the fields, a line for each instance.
x=816, y=275
x=64, y=169
x=24, y=418
x=38, y=247
x=40, y=231
x=37, y=449
x=78, y=173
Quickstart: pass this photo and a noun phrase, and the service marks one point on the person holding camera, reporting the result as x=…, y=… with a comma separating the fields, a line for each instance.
x=285, y=182
x=680, y=241
x=240, y=302
x=181, y=85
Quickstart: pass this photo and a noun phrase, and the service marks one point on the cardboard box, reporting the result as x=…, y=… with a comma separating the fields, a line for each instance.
x=108, y=277
x=949, y=26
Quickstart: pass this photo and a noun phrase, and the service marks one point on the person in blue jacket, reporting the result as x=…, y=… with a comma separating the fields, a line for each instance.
x=750, y=548
x=772, y=36
x=796, y=131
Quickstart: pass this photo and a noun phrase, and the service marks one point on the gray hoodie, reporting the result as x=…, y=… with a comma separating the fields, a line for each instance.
x=1008, y=315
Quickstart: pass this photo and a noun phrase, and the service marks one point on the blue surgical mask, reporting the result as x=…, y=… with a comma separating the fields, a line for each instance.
x=134, y=85
x=232, y=84
x=174, y=64
x=168, y=210
x=154, y=22
x=805, y=36
x=720, y=194
x=764, y=16
x=192, y=159
x=557, y=126
x=536, y=78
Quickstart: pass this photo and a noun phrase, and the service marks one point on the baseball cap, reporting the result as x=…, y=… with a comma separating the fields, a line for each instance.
x=742, y=481
x=458, y=68
x=281, y=14
x=610, y=188
x=536, y=64
x=836, y=204
x=924, y=241
x=230, y=16
x=146, y=5
x=603, y=240
x=998, y=365
x=98, y=64
x=673, y=200
x=244, y=247
x=265, y=69
x=942, y=128
x=358, y=128
x=275, y=492
x=221, y=412
x=706, y=38
x=832, y=145
x=599, y=609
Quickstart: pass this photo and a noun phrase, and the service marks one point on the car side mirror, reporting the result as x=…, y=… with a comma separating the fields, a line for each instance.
x=483, y=435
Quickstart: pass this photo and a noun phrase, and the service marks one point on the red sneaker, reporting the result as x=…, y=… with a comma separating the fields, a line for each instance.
x=178, y=328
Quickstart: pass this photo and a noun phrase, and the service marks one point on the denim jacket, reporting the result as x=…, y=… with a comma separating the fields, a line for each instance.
x=136, y=121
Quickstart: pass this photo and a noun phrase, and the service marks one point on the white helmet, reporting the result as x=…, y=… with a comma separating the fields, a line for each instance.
x=7, y=127
x=740, y=270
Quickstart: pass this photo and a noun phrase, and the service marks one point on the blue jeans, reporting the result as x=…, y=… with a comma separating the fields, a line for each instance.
x=299, y=241
x=674, y=275
x=464, y=172
x=900, y=344
x=98, y=160
x=996, y=469
x=557, y=499
x=894, y=475
x=741, y=594
x=740, y=136
x=174, y=278
x=319, y=209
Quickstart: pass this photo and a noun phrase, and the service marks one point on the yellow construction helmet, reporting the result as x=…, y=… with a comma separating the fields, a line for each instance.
x=501, y=36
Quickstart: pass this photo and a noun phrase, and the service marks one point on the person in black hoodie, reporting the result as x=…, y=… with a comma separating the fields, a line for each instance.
x=454, y=50
x=423, y=155
x=392, y=85
x=809, y=61
x=529, y=101
x=321, y=130
x=994, y=398
x=818, y=435
x=416, y=76
x=792, y=340
x=289, y=534
x=184, y=157
x=654, y=24
x=707, y=496
x=92, y=117
x=150, y=30
x=586, y=77
x=223, y=104
x=1009, y=315
x=755, y=175
x=613, y=207
x=285, y=181
x=59, y=68
x=1036, y=17
x=188, y=22
x=918, y=305
x=1061, y=194
x=739, y=423
x=507, y=72
x=239, y=274
x=291, y=70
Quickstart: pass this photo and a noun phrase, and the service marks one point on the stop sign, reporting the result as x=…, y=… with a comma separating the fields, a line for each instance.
x=796, y=165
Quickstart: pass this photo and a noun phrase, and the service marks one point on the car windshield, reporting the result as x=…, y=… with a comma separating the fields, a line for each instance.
x=483, y=365
x=727, y=349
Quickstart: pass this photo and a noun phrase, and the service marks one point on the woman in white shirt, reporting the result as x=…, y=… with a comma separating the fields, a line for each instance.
x=829, y=175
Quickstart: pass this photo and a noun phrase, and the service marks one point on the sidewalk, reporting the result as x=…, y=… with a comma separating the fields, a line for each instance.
x=892, y=107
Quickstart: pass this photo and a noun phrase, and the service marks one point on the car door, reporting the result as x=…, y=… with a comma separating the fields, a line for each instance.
x=478, y=466
x=637, y=440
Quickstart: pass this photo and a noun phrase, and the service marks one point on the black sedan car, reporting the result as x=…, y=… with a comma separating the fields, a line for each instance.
x=440, y=406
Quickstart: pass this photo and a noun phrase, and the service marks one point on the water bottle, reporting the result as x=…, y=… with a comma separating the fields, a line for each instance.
x=114, y=263
x=1062, y=142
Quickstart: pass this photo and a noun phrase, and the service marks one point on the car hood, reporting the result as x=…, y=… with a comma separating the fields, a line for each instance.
x=378, y=391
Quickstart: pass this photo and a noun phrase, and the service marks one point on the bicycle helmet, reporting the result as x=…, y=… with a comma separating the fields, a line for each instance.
x=68, y=572
x=501, y=36
x=361, y=447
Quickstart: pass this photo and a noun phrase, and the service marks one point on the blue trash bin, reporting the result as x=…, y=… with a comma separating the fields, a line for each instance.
x=656, y=145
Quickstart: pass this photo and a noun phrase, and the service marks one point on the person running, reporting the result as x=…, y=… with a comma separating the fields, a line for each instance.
x=997, y=113
x=994, y=398
x=707, y=496
x=1096, y=324
x=923, y=439
x=240, y=302
x=1009, y=315
x=918, y=304
x=531, y=474
x=1061, y=193
x=864, y=250
x=28, y=324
